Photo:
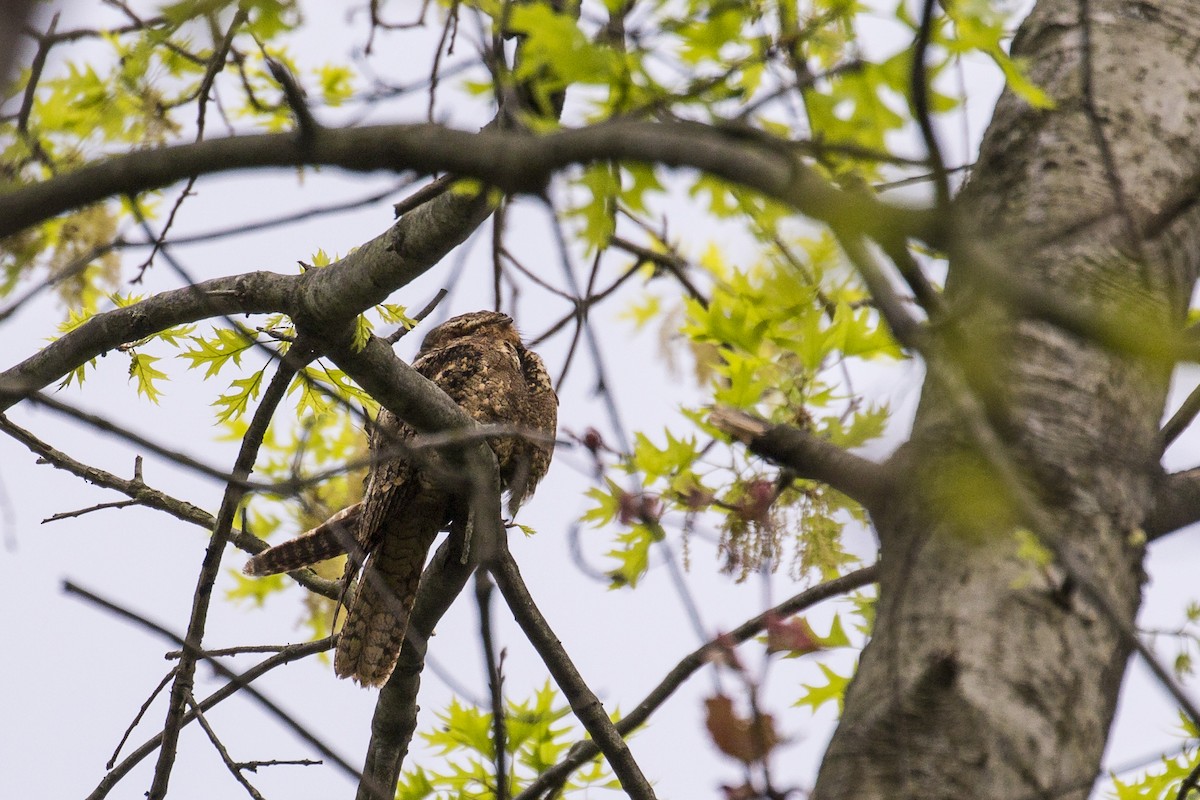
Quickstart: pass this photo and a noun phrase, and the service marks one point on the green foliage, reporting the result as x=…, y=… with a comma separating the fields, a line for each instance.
x=978, y=26
x=362, y=332
x=770, y=339
x=323, y=388
x=557, y=53
x=770, y=333
x=1160, y=784
x=536, y=740
x=254, y=590
x=832, y=690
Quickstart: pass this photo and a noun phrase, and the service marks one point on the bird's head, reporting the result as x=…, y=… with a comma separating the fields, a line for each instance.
x=490, y=324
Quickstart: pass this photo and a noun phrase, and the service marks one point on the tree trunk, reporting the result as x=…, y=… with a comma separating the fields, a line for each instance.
x=990, y=675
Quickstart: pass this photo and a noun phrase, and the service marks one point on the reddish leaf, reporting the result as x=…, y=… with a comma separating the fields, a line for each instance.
x=742, y=739
x=756, y=506
x=638, y=508
x=794, y=635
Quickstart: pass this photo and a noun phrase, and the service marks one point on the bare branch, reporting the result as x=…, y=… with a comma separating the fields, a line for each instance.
x=181, y=689
x=587, y=707
x=229, y=763
x=1181, y=419
x=919, y=88
x=138, y=716
x=495, y=677
x=81, y=511
x=159, y=501
x=239, y=682
x=328, y=296
x=586, y=750
x=290, y=654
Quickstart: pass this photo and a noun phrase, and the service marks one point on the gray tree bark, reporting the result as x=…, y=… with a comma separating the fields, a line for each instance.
x=987, y=675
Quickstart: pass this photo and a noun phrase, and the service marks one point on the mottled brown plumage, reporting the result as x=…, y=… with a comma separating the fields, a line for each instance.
x=479, y=361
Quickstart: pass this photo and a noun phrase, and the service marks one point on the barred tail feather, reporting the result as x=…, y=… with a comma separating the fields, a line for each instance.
x=378, y=620
x=333, y=537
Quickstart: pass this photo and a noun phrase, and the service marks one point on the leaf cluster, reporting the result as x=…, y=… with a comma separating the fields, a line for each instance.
x=536, y=740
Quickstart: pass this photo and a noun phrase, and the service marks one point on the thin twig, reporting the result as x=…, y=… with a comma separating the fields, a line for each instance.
x=80, y=512
x=919, y=87
x=252, y=766
x=153, y=498
x=138, y=716
x=239, y=682
x=420, y=316
x=234, y=651
x=229, y=763
x=483, y=599
x=225, y=692
x=1182, y=418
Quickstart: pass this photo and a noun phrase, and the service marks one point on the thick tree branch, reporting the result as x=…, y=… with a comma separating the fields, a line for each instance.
x=256, y=292
x=327, y=296
x=808, y=455
x=514, y=162
x=1176, y=504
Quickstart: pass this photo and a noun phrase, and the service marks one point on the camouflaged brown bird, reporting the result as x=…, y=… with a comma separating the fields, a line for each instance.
x=479, y=361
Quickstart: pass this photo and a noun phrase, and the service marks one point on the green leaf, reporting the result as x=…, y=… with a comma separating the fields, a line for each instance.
x=232, y=405
x=599, y=213
x=415, y=785
x=141, y=367
x=643, y=309
x=336, y=82
x=362, y=333
x=633, y=554
x=677, y=455
x=394, y=314
x=1031, y=550
x=556, y=53
x=608, y=504
x=462, y=726
x=837, y=634
x=865, y=425
x=320, y=259
x=214, y=353
x=832, y=691
x=254, y=590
